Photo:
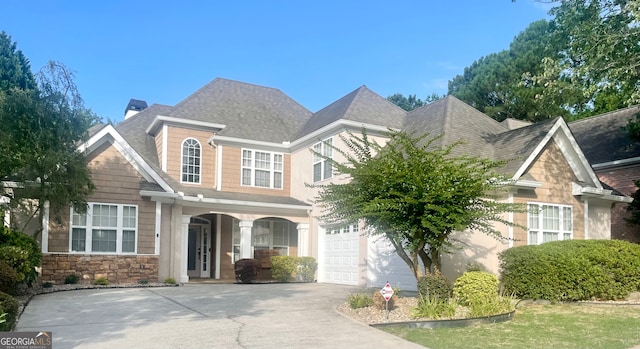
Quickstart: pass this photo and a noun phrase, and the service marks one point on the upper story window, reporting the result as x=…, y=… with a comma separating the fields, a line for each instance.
x=549, y=222
x=191, y=160
x=262, y=169
x=104, y=228
x=322, y=168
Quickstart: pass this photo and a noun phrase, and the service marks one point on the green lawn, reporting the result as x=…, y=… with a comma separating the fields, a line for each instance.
x=541, y=326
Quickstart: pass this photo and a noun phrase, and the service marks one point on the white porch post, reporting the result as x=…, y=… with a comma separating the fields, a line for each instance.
x=44, y=243
x=303, y=239
x=218, y=242
x=184, y=248
x=245, y=238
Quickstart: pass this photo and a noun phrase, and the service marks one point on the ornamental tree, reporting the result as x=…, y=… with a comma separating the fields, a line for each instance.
x=415, y=194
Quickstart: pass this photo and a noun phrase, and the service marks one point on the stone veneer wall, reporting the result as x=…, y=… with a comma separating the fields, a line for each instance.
x=117, y=269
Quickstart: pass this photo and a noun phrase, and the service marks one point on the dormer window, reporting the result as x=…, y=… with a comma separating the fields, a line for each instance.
x=262, y=169
x=191, y=161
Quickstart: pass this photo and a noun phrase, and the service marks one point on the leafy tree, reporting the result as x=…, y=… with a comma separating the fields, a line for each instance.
x=599, y=65
x=41, y=130
x=414, y=193
x=15, y=70
x=500, y=84
x=412, y=102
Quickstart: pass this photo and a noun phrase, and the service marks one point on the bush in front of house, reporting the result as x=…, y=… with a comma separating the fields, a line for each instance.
x=8, y=305
x=8, y=278
x=21, y=252
x=247, y=270
x=71, y=279
x=102, y=281
x=435, y=285
x=475, y=287
x=288, y=268
x=307, y=267
x=359, y=300
x=572, y=270
x=284, y=268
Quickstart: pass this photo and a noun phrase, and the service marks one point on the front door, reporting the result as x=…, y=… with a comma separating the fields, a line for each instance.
x=199, y=251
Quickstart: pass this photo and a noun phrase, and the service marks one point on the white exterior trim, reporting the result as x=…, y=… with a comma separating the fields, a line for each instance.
x=219, y=167
x=218, y=242
x=44, y=244
x=158, y=229
x=586, y=218
x=165, y=147
x=616, y=163
x=180, y=121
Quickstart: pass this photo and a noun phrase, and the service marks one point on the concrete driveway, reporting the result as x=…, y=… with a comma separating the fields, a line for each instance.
x=203, y=316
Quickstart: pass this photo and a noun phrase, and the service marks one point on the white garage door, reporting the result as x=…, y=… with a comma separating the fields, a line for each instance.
x=338, y=257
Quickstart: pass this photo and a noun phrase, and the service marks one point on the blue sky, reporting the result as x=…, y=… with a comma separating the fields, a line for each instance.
x=315, y=52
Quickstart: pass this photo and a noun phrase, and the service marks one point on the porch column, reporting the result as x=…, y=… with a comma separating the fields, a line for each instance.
x=303, y=239
x=184, y=248
x=245, y=238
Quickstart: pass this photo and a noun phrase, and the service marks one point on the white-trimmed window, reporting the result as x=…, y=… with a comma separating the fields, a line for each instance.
x=262, y=169
x=265, y=235
x=322, y=168
x=549, y=222
x=104, y=228
x=191, y=160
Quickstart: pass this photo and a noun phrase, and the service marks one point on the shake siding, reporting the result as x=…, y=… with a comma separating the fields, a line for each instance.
x=231, y=174
x=556, y=176
x=116, y=182
x=177, y=135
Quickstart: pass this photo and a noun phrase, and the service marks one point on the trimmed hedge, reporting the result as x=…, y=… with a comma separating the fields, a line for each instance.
x=247, y=270
x=475, y=287
x=21, y=252
x=10, y=306
x=288, y=268
x=572, y=270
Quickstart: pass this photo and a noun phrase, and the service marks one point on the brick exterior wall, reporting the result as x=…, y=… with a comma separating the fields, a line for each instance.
x=117, y=269
x=622, y=179
x=556, y=176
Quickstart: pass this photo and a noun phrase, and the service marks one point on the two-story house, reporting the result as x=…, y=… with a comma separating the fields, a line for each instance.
x=184, y=191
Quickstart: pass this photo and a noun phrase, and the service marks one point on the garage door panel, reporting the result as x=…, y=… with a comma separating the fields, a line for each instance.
x=339, y=257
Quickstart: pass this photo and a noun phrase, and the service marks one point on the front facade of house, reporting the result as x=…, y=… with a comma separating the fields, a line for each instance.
x=184, y=191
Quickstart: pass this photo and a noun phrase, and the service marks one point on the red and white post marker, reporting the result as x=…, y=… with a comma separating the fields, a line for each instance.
x=387, y=293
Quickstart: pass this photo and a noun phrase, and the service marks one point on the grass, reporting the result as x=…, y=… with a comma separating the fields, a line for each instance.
x=541, y=326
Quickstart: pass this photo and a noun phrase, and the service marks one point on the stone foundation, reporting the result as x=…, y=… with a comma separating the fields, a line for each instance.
x=117, y=269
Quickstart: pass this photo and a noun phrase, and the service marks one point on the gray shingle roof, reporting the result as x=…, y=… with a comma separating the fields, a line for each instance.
x=515, y=146
x=603, y=138
x=361, y=105
x=456, y=121
x=249, y=111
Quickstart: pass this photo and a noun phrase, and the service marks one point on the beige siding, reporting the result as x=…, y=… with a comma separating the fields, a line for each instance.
x=158, y=141
x=556, y=176
x=175, y=137
x=116, y=182
x=232, y=174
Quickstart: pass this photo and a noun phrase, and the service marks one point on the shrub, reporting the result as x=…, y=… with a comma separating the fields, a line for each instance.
x=247, y=270
x=47, y=284
x=481, y=307
x=8, y=278
x=283, y=268
x=8, y=305
x=24, y=256
x=572, y=270
x=101, y=281
x=435, y=308
x=171, y=281
x=307, y=267
x=71, y=279
x=435, y=285
x=475, y=286
x=380, y=303
x=143, y=282
x=360, y=300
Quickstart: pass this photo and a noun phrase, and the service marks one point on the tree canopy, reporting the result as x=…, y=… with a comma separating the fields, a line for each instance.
x=43, y=122
x=413, y=193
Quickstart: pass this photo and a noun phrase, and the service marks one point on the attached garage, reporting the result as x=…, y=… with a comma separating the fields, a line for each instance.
x=339, y=255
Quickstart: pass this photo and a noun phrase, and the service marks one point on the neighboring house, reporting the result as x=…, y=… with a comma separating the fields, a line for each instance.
x=184, y=191
x=615, y=158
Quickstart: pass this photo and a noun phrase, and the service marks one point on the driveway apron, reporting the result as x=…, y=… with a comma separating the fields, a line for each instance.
x=203, y=316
